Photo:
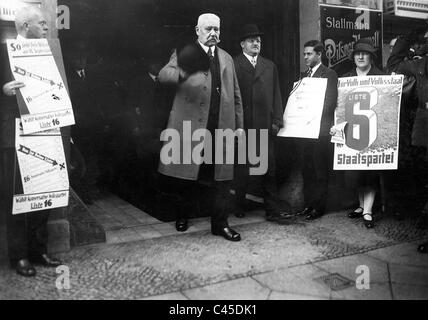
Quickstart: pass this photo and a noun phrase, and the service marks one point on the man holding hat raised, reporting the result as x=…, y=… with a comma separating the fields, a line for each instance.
x=262, y=105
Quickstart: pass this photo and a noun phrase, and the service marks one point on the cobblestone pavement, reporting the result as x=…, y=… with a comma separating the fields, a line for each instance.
x=271, y=262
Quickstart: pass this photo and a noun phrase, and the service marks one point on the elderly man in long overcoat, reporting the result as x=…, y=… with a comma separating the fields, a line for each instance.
x=207, y=99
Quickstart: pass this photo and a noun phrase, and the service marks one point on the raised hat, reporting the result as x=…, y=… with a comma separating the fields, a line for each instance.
x=192, y=58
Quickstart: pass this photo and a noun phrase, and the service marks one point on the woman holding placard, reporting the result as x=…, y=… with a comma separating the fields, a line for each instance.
x=365, y=182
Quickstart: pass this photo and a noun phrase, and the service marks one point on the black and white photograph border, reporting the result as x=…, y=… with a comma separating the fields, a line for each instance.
x=142, y=227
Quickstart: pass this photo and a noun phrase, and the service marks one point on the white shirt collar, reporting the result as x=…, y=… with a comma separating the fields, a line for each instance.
x=206, y=48
x=314, y=69
x=154, y=78
x=250, y=58
x=19, y=37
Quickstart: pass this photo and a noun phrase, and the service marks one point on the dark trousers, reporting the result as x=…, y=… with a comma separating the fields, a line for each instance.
x=268, y=182
x=316, y=158
x=185, y=193
x=26, y=233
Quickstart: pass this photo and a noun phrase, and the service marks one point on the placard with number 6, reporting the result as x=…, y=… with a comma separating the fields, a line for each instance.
x=370, y=108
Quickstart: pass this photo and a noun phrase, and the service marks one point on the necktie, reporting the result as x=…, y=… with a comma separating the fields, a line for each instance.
x=253, y=62
x=309, y=73
x=210, y=53
x=82, y=74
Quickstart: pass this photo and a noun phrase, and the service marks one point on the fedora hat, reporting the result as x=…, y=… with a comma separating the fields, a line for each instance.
x=248, y=31
x=364, y=45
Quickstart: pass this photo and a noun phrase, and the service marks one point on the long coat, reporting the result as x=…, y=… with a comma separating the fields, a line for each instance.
x=192, y=104
x=261, y=95
x=419, y=70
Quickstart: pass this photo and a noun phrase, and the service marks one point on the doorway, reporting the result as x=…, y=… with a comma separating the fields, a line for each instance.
x=120, y=39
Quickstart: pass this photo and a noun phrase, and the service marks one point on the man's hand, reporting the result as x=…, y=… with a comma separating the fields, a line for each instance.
x=10, y=88
x=275, y=129
x=335, y=130
x=183, y=74
x=240, y=133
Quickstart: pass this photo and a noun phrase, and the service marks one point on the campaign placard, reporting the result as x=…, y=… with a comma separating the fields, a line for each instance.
x=302, y=116
x=368, y=112
x=43, y=178
x=44, y=102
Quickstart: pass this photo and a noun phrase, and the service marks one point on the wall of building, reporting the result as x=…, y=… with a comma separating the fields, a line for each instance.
x=309, y=13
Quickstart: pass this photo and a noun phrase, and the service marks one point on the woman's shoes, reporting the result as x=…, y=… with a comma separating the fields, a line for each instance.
x=357, y=213
x=368, y=220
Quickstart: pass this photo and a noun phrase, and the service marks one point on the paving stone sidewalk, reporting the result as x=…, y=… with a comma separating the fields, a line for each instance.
x=316, y=260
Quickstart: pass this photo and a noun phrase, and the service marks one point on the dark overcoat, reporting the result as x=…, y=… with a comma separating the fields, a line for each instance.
x=260, y=91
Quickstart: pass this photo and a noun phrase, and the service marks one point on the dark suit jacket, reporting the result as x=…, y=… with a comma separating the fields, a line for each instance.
x=260, y=91
x=330, y=100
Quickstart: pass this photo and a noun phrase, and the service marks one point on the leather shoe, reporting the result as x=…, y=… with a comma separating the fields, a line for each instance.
x=227, y=233
x=423, y=248
x=240, y=214
x=313, y=215
x=398, y=215
x=356, y=213
x=45, y=260
x=25, y=268
x=274, y=217
x=181, y=225
x=304, y=212
x=368, y=221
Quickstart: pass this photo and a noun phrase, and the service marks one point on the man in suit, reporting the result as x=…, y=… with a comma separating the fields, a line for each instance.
x=317, y=153
x=262, y=105
x=209, y=100
x=26, y=233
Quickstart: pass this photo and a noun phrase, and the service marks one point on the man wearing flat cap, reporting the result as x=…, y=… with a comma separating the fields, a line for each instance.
x=208, y=98
x=262, y=104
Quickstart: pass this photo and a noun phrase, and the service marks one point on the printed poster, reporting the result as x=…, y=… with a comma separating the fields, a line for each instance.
x=302, y=116
x=43, y=179
x=44, y=102
x=368, y=114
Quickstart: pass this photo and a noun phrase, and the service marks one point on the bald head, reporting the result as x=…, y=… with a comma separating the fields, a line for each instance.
x=30, y=23
x=208, y=29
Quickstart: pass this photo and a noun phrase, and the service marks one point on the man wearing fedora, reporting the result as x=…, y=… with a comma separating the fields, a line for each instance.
x=262, y=105
x=317, y=153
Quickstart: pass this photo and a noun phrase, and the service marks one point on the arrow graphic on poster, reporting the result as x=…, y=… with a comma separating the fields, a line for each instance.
x=26, y=73
x=30, y=152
